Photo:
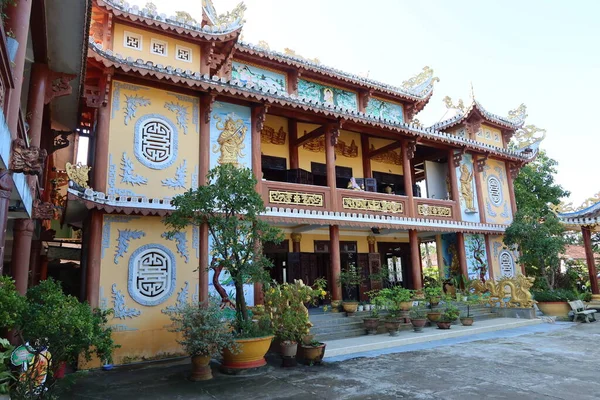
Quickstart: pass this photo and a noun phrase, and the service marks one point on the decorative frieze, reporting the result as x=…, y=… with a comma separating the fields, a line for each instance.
x=121, y=310
x=268, y=135
x=26, y=160
x=435, y=211
x=43, y=210
x=180, y=177
x=131, y=104
x=181, y=243
x=296, y=198
x=128, y=176
x=181, y=114
x=386, y=206
x=125, y=236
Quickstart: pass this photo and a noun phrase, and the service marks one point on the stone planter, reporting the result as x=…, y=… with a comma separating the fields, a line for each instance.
x=251, y=354
x=201, y=368
x=289, y=348
x=392, y=326
x=406, y=305
x=467, y=321
x=443, y=324
x=313, y=354
x=350, y=306
x=418, y=324
x=434, y=316
x=371, y=325
x=555, y=308
x=361, y=308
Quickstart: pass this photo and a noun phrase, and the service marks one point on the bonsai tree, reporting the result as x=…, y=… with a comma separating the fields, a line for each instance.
x=451, y=313
x=349, y=279
x=230, y=206
x=433, y=294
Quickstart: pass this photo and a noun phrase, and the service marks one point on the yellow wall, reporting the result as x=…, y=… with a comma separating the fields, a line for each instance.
x=381, y=166
x=146, y=55
x=496, y=214
x=121, y=140
x=489, y=135
x=146, y=336
x=306, y=157
x=307, y=245
x=496, y=246
x=275, y=150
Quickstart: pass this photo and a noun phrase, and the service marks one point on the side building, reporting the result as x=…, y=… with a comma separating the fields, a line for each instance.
x=343, y=166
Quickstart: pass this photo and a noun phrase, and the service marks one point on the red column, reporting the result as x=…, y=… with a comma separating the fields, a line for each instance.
x=454, y=184
x=259, y=295
x=462, y=255
x=511, y=189
x=17, y=20
x=205, y=110
x=479, y=190
x=35, y=102
x=22, y=234
x=415, y=259
x=296, y=239
x=335, y=262
x=293, y=133
x=257, y=114
x=330, y=160
x=366, y=160
x=34, y=262
x=408, y=181
x=489, y=257
x=6, y=185
x=589, y=257
x=100, y=168
x=94, y=258
x=371, y=240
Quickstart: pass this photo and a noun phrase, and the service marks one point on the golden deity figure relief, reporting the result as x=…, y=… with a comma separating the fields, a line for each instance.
x=466, y=188
x=78, y=173
x=230, y=142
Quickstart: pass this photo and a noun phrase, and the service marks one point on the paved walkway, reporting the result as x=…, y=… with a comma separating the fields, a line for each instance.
x=547, y=361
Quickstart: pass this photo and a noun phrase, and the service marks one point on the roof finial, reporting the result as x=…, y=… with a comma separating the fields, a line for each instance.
x=472, y=92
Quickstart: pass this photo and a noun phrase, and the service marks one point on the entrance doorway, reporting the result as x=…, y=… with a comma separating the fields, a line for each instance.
x=395, y=260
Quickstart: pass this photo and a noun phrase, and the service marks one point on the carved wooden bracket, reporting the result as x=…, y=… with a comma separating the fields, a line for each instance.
x=29, y=161
x=59, y=85
x=514, y=170
x=473, y=126
x=459, y=156
x=480, y=163
x=42, y=210
x=364, y=98
x=411, y=148
x=60, y=140
x=208, y=102
x=261, y=116
x=335, y=132
x=410, y=111
x=506, y=136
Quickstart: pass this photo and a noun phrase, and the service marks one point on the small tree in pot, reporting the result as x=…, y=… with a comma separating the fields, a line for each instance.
x=418, y=317
x=349, y=280
x=449, y=315
x=203, y=335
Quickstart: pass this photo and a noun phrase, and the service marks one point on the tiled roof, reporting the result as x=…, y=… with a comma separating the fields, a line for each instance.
x=271, y=95
x=510, y=123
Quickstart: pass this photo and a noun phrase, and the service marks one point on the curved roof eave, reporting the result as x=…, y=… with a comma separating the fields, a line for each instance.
x=237, y=88
x=462, y=116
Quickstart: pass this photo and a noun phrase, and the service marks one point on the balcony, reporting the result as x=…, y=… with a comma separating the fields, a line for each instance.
x=436, y=209
x=294, y=195
x=371, y=203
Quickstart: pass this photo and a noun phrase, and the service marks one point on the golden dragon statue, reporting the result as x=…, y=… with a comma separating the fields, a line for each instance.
x=508, y=292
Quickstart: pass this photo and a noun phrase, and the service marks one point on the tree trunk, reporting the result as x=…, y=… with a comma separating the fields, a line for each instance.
x=240, y=301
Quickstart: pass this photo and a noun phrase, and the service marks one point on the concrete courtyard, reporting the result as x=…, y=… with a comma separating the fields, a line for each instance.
x=547, y=361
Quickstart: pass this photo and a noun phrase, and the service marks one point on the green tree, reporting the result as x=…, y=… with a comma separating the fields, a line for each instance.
x=536, y=231
x=231, y=207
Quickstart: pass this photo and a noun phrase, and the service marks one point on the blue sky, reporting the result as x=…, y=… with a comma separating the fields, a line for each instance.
x=541, y=53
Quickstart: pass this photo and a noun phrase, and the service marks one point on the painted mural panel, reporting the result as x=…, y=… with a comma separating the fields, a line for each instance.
x=225, y=281
x=450, y=255
x=327, y=94
x=230, y=135
x=143, y=275
x=504, y=260
x=496, y=196
x=477, y=264
x=469, y=208
x=258, y=76
x=489, y=135
x=385, y=109
x=153, y=142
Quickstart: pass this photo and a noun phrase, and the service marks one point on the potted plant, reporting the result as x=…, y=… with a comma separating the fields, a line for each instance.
x=202, y=334
x=418, y=318
x=449, y=315
x=361, y=306
x=231, y=206
x=349, y=280
x=402, y=297
x=554, y=302
x=467, y=319
x=390, y=298
x=372, y=322
x=313, y=352
x=6, y=375
x=433, y=294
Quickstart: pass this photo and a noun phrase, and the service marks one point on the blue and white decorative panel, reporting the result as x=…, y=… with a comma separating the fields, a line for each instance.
x=477, y=261
x=506, y=260
x=225, y=281
x=469, y=207
x=327, y=94
x=230, y=135
x=450, y=255
x=155, y=141
x=494, y=188
x=152, y=274
x=385, y=109
x=258, y=76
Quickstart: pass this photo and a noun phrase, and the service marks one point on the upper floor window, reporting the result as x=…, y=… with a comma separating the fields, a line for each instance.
x=159, y=47
x=183, y=53
x=132, y=40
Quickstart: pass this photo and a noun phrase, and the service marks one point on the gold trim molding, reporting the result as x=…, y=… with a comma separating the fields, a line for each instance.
x=437, y=211
x=296, y=198
x=393, y=207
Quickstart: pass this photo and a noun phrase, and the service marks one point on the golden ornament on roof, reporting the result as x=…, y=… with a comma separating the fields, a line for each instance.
x=529, y=136
x=518, y=114
x=450, y=104
x=263, y=45
x=78, y=174
x=235, y=15
x=423, y=77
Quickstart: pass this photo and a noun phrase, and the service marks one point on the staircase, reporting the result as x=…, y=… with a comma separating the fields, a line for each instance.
x=332, y=326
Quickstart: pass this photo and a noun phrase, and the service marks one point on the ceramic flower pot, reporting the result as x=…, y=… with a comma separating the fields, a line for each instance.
x=434, y=316
x=467, y=321
x=418, y=324
x=251, y=354
x=392, y=326
x=434, y=301
x=350, y=306
x=443, y=324
x=313, y=354
x=201, y=368
x=555, y=308
x=371, y=325
x=289, y=348
x=406, y=305
x=361, y=308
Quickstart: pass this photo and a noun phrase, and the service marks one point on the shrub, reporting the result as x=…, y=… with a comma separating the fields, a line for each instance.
x=450, y=314
x=418, y=312
x=11, y=303
x=554, y=295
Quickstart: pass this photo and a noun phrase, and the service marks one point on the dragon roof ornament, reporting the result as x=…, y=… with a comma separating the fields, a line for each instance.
x=421, y=82
x=450, y=105
x=567, y=210
x=529, y=137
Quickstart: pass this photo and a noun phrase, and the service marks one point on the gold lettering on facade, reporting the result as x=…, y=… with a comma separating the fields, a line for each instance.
x=231, y=140
x=393, y=207
x=296, y=198
x=391, y=157
x=341, y=148
x=436, y=211
x=268, y=135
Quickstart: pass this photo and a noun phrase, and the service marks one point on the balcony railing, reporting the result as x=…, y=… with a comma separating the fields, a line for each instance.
x=371, y=202
x=294, y=195
x=436, y=209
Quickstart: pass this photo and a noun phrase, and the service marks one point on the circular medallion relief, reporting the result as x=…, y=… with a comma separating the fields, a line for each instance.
x=495, y=190
x=151, y=274
x=155, y=141
x=507, y=264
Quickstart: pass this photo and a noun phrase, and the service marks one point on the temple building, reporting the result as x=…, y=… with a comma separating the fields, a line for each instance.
x=344, y=168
